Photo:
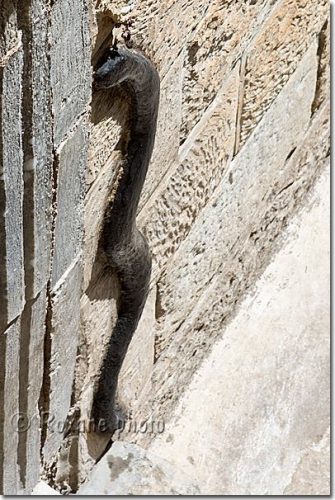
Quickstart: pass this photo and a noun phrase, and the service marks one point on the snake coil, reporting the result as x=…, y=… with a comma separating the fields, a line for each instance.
x=126, y=248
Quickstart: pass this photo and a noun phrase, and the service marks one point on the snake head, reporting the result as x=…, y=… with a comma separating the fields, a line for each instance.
x=112, y=69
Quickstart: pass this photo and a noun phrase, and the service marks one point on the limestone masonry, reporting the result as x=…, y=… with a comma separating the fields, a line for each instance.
x=243, y=136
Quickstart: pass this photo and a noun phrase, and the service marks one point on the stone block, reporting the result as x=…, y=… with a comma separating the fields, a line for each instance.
x=64, y=338
x=69, y=226
x=11, y=191
x=31, y=376
x=168, y=129
x=96, y=202
x=265, y=383
x=212, y=50
x=239, y=198
x=275, y=55
x=70, y=63
x=135, y=374
x=37, y=145
x=109, y=114
x=9, y=419
x=233, y=237
x=128, y=469
x=168, y=218
x=9, y=35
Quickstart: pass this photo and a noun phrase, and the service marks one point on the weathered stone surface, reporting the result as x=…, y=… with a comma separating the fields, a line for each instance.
x=64, y=335
x=216, y=267
x=312, y=474
x=9, y=36
x=109, y=112
x=168, y=129
x=240, y=198
x=68, y=236
x=264, y=389
x=96, y=202
x=140, y=358
x=212, y=221
x=218, y=41
x=11, y=191
x=275, y=54
x=189, y=184
x=322, y=91
x=127, y=469
x=31, y=377
x=70, y=64
x=9, y=420
x=158, y=39
x=37, y=145
x=42, y=489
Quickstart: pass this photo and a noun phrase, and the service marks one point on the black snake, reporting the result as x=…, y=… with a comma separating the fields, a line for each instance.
x=126, y=248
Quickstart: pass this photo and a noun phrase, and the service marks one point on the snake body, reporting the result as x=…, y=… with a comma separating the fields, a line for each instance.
x=124, y=245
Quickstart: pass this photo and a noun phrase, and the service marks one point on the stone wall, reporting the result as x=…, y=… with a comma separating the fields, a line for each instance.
x=45, y=79
x=243, y=133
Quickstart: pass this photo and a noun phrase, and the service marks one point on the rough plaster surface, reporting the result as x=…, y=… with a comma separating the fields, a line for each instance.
x=254, y=420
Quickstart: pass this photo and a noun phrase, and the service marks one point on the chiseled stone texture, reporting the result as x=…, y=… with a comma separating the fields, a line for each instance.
x=127, y=469
x=9, y=421
x=69, y=227
x=212, y=50
x=64, y=333
x=276, y=53
x=254, y=420
x=167, y=219
x=168, y=129
x=140, y=358
x=234, y=236
x=33, y=329
x=11, y=190
x=8, y=27
x=70, y=63
x=243, y=133
x=37, y=145
x=229, y=214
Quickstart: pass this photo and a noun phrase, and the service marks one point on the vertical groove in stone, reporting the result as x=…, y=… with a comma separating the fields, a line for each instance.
x=44, y=400
x=2, y=404
x=3, y=250
x=23, y=387
x=37, y=159
x=243, y=63
x=322, y=82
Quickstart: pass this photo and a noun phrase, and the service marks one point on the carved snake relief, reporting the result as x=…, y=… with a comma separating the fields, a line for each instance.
x=126, y=249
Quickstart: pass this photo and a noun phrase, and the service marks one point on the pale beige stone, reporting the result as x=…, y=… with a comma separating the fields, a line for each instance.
x=167, y=218
x=254, y=420
x=135, y=375
x=312, y=474
x=168, y=129
x=129, y=470
x=238, y=201
x=212, y=50
x=215, y=202
x=276, y=53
